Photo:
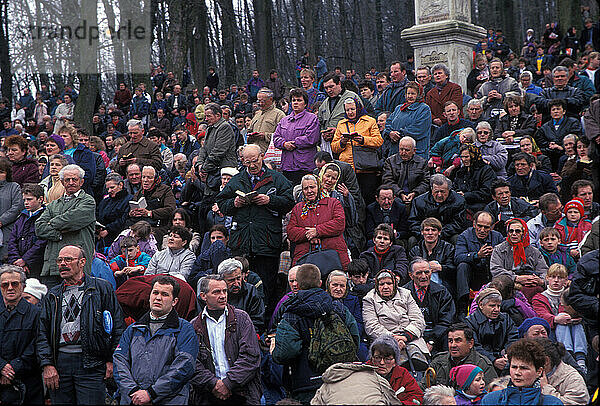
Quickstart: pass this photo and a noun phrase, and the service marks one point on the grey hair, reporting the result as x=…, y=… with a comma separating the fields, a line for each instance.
x=484, y=124
x=471, y=132
x=526, y=73
x=439, y=180
x=60, y=158
x=418, y=260
x=252, y=146
x=204, y=282
x=566, y=137
x=229, y=266
x=266, y=91
x=133, y=123
x=407, y=138
x=69, y=168
x=441, y=66
x=560, y=68
x=436, y=395
x=150, y=167
x=496, y=297
x=14, y=269
x=349, y=100
x=336, y=272
x=473, y=102
x=309, y=176
x=294, y=268
x=113, y=177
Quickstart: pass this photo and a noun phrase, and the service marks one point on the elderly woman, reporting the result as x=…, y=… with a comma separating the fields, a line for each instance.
x=53, y=187
x=494, y=330
x=354, y=131
x=11, y=204
x=297, y=136
x=515, y=123
x=318, y=220
x=492, y=152
x=412, y=119
x=517, y=258
x=528, y=145
x=337, y=286
x=385, y=354
x=559, y=379
x=391, y=310
x=112, y=211
x=527, y=360
x=473, y=180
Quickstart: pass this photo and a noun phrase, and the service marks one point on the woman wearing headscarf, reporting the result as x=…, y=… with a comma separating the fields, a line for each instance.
x=317, y=221
x=473, y=180
x=413, y=119
x=520, y=260
x=358, y=129
x=53, y=187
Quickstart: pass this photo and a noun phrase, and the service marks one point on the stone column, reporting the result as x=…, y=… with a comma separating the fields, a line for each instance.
x=444, y=34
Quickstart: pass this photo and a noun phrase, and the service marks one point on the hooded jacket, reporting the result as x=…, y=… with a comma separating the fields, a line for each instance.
x=519, y=396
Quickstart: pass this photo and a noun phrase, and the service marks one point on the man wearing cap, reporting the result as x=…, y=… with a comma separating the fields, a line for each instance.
x=19, y=370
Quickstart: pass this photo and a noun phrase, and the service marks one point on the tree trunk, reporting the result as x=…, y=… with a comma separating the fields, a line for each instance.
x=5, y=69
x=379, y=35
x=343, y=24
x=569, y=14
x=176, y=44
x=199, y=43
x=308, y=22
x=263, y=36
x=228, y=34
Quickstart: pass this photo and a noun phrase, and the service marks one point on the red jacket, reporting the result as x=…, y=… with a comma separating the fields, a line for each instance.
x=329, y=220
x=580, y=231
x=541, y=305
x=436, y=100
x=401, y=378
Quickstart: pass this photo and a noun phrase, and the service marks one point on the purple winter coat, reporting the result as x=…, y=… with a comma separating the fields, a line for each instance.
x=23, y=243
x=303, y=129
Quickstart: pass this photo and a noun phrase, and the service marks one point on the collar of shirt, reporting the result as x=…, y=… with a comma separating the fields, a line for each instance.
x=74, y=195
x=297, y=116
x=207, y=316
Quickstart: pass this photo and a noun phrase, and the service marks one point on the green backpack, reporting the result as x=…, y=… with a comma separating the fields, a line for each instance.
x=330, y=342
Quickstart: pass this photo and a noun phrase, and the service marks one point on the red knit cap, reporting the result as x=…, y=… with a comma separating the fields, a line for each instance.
x=575, y=203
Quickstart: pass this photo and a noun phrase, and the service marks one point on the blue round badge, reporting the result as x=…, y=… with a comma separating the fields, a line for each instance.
x=108, y=321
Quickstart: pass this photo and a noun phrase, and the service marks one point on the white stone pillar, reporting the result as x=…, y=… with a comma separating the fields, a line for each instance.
x=444, y=34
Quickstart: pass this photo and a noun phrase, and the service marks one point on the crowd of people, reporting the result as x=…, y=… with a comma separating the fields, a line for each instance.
x=385, y=239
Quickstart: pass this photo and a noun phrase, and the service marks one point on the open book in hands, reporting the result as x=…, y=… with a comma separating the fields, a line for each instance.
x=247, y=197
x=138, y=204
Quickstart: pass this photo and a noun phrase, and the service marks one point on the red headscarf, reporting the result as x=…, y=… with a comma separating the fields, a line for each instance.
x=519, y=248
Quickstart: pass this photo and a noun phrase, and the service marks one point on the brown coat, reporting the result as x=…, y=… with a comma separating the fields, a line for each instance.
x=436, y=100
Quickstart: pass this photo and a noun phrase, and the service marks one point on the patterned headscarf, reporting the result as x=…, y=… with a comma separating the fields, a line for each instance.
x=475, y=153
x=308, y=205
x=336, y=168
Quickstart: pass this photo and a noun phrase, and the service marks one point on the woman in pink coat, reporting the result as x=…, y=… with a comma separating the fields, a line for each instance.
x=317, y=220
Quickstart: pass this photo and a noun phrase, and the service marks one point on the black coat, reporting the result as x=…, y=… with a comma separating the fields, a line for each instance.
x=584, y=289
x=520, y=208
x=525, y=125
x=18, y=334
x=394, y=260
x=573, y=96
x=414, y=172
x=443, y=253
x=543, y=164
x=438, y=310
x=535, y=186
x=492, y=336
x=451, y=213
x=113, y=214
x=476, y=185
x=547, y=133
x=397, y=218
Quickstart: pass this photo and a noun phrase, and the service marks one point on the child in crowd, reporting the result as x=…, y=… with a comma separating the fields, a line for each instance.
x=131, y=262
x=553, y=251
x=469, y=384
x=24, y=249
x=360, y=284
x=573, y=226
x=550, y=306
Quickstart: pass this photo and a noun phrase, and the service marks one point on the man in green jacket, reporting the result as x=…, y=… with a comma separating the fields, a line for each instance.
x=70, y=220
x=256, y=224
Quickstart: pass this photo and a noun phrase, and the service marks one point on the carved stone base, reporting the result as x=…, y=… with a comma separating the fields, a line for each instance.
x=450, y=42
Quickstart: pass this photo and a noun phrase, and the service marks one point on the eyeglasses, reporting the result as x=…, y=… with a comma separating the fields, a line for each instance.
x=387, y=360
x=66, y=260
x=482, y=132
x=13, y=284
x=248, y=162
x=511, y=231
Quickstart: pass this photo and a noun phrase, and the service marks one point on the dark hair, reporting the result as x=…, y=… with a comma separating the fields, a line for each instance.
x=567, y=62
x=384, y=350
x=214, y=108
x=183, y=232
x=402, y=65
x=219, y=227
x=529, y=351
x=141, y=229
x=450, y=102
x=323, y=156
x=155, y=132
x=16, y=140
x=127, y=241
x=554, y=351
x=358, y=266
x=524, y=156
x=505, y=285
x=383, y=187
x=468, y=331
x=184, y=215
x=557, y=102
x=297, y=92
x=308, y=276
x=386, y=229
x=383, y=75
x=366, y=83
x=332, y=76
x=6, y=167
x=167, y=280
x=547, y=199
x=348, y=84
x=578, y=184
x=498, y=183
x=33, y=189
x=243, y=260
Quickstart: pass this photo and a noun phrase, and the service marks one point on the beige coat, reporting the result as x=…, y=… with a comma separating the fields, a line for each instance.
x=264, y=122
x=354, y=384
x=567, y=385
x=393, y=316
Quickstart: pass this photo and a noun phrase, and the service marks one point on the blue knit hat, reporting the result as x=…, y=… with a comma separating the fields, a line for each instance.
x=533, y=321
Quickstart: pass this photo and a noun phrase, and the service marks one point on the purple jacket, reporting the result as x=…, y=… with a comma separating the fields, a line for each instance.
x=303, y=129
x=23, y=243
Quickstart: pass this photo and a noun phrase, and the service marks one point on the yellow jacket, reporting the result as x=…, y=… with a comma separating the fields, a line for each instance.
x=365, y=126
